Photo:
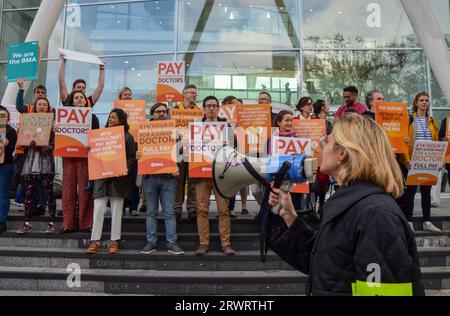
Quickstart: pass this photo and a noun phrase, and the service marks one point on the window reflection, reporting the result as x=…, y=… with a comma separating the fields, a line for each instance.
x=399, y=74
x=238, y=24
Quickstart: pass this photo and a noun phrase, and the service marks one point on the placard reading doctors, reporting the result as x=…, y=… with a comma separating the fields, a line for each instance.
x=71, y=129
x=427, y=160
x=158, y=148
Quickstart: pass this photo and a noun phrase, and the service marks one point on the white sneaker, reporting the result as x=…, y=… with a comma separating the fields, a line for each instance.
x=428, y=226
x=412, y=226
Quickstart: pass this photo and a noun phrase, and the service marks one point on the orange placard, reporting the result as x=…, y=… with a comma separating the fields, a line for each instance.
x=311, y=129
x=35, y=127
x=71, y=127
x=427, y=159
x=171, y=81
x=230, y=112
x=183, y=117
x=135, y=110
x=255, y=127
x=282, y=146
x=107, y=157
x=158, y=148
x=393, y=118
x=205, y=140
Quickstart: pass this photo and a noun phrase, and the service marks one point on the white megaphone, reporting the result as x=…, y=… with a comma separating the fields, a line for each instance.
x=233, y=171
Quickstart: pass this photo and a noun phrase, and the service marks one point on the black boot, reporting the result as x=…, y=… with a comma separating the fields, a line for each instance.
x=3, y=227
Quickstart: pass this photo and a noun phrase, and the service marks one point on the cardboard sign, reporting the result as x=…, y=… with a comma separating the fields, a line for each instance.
x=107, y=157
x=255, y=127
x=14, y=116
x=3, y=123
x=393, y=118
x=205, y=140
x=23, y=61
x=71, y=128
x=427, y=159
x=171, y=81
x=158, y=147
x=135, y=110
x=35, y=127
x=285, y=146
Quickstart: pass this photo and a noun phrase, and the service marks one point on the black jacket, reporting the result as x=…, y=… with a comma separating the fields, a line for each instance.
x=361, y=225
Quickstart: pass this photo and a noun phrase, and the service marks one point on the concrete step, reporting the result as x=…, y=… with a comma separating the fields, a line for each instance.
x=176, y=282
x=132, y=241
x=162, y=260
x=155, y=282
x=133, y=260
x=188, y=241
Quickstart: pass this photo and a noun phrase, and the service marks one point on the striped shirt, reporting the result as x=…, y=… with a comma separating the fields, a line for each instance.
x=422, y=130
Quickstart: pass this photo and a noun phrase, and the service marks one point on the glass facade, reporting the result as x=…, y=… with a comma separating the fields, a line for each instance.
x=290, y=48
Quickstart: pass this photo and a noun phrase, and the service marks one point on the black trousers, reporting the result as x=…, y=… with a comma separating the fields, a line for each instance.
x=410, y=194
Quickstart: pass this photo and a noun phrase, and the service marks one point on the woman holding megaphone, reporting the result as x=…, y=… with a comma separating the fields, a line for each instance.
x=364, y=237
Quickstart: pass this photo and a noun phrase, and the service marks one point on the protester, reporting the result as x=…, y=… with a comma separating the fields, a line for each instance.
x=372, y=97
x=189, y=98
x=161, y=188
x=38, y=92
x=7, y=146
x=126, y=94
x=444, y=138
x=75, y=181
x=322, y=184
x=79, y=84
x=204, y=188
x=283, y=122
x=351, y=103
x=243, y=192
x=305, y=108
x=421, y=127
x=114, y=190
x=362, y=226
x=39, y=167
x=264, y=97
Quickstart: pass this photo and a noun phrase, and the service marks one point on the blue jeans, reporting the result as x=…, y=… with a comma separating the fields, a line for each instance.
x=160, y=188
x=6, y=173
x=19, y=195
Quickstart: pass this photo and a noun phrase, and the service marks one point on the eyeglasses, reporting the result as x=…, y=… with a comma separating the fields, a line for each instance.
x=211, y=106
x=264, y=100
x=161, y=112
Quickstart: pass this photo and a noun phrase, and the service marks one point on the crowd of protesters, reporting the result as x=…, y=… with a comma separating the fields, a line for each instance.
x=85, y=203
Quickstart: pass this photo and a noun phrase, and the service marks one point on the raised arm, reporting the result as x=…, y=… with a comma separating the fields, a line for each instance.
x=63, y=92
x=101, y=84
x=20, y=105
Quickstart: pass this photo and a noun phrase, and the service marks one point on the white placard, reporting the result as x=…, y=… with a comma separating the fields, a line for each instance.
x=81, y=57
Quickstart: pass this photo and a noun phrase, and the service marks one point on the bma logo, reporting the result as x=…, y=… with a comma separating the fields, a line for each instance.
x=74, y=278
x=73, y=15
x=374, y=18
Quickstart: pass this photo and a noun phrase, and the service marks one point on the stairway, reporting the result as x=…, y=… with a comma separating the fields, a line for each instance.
x=37, y=262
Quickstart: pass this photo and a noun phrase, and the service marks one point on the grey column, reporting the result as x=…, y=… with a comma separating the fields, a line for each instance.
x=41, y=30
x=431, y=39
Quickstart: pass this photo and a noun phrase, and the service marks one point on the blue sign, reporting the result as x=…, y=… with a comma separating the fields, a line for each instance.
x=23, y=61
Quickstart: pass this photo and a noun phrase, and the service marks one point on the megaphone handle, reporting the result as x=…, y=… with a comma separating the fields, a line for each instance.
x=286, y=187
x=279, y=181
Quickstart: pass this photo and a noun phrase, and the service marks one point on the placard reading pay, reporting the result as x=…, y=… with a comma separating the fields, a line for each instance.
x=23, y=61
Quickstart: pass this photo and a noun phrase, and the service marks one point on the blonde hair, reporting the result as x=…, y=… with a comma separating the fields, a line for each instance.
x=122, y=91
x=370, y=157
